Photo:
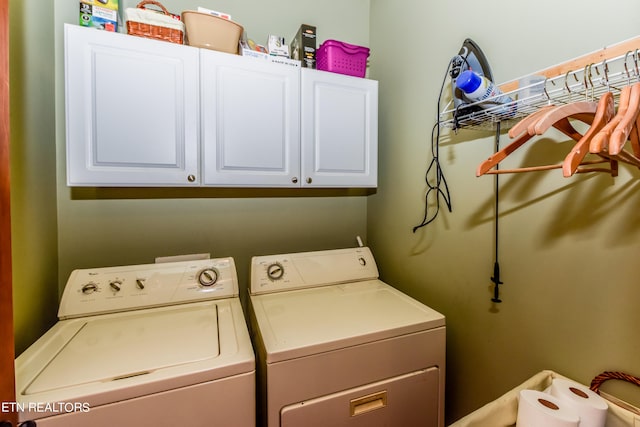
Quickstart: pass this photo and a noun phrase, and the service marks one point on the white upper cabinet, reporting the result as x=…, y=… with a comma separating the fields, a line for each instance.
x=144, y=112
x=339, y=130
x=250, y=121
x=132, y=110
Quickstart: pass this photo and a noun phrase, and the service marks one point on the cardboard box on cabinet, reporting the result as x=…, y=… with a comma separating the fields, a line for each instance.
x=101, y=14
x=303, y=46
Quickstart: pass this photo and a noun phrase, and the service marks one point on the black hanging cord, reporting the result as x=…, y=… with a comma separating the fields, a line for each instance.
x=439, y=187
x=496, y=265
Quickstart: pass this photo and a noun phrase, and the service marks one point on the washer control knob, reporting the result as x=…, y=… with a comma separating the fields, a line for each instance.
x=89, y=288
x=275, y=271
x=140, y=284
x=208, y=277
x=115, y=285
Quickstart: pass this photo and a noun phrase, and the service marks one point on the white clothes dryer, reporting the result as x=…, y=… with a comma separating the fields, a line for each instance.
x=338, y=347
x=143, y=345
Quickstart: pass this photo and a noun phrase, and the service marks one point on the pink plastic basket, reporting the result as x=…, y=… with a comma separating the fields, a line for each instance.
x=342, y=58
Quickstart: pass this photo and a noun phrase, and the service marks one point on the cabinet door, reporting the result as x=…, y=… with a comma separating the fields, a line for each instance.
x=339, y=130
x=132, y=110
x=251, y=121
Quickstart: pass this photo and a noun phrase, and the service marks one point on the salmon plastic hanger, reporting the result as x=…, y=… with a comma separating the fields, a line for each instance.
x=605, y=111
x=610, y=140
x=554, y=116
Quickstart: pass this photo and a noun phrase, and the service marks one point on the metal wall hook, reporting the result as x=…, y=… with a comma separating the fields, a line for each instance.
x=626, y=68
x=544, y=89
x=588, y=83
x=606, y=74
x=566, y=80
x=566, y=85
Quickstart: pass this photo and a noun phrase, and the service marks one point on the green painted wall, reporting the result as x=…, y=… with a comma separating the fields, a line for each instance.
x=568, y=247
x=33, y=169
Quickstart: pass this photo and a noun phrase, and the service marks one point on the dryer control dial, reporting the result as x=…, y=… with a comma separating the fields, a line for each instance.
x=275, y=271
x=208, y=277
x=89, y=288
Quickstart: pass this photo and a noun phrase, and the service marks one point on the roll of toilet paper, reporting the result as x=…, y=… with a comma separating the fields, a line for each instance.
x=537, y=409
x=591, y=408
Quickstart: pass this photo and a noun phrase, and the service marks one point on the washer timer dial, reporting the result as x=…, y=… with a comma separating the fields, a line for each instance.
x=275, y=271
x=208, y=277
x=115, y=285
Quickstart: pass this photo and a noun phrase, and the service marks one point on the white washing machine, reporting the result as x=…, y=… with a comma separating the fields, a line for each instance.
x=143, y=345
x=338, y=347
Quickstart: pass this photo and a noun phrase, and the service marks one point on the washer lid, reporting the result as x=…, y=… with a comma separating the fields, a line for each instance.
x=112, y=347
x=308, y=321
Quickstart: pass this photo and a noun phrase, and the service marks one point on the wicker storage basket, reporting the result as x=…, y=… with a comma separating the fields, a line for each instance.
x=609, y=375
x=152, y=24
x=503, y=411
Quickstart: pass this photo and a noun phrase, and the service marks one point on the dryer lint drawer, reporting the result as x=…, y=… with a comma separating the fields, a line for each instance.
x=407, y=400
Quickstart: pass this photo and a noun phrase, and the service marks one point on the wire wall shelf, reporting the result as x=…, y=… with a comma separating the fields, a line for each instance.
x=584, y=84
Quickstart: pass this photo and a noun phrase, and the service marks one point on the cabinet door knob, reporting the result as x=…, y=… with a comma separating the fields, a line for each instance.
x=309, y=180
x=191, y=178
x=294, y=179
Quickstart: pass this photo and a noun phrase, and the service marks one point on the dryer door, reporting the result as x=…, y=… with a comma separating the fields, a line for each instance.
x=407, y=400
